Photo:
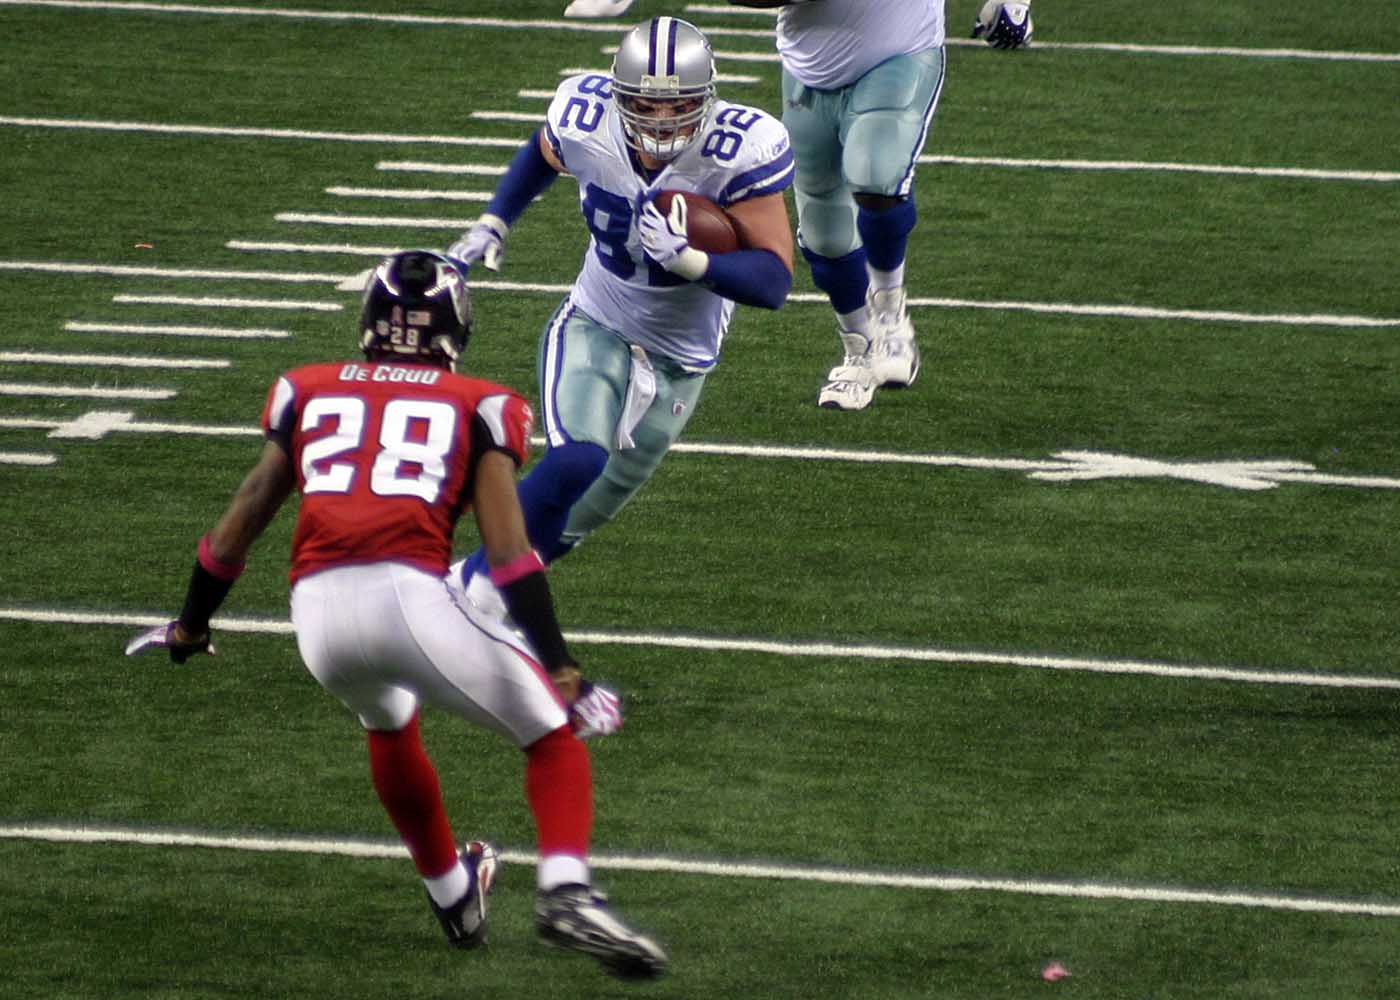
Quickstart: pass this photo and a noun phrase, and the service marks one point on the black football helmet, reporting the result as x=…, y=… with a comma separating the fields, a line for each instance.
x=416, y=308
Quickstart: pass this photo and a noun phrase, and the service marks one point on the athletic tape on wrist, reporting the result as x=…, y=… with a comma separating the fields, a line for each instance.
x=516, y=568
x=217, y=567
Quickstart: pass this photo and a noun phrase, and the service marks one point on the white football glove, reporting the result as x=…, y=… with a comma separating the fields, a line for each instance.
x=665, y=241
x=596, y=712
x=1004, y=25
x=485, y=241
x=164, y=637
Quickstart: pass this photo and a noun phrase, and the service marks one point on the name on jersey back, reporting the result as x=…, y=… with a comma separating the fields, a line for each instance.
x=410, y=375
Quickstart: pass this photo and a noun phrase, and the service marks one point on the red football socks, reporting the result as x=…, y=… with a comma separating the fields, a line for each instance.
x=408, y=787
x=559, y=786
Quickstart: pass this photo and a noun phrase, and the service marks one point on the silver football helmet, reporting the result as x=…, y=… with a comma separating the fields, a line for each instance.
x=663, y=82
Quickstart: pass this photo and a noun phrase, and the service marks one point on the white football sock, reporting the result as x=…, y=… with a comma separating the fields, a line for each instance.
x=856, y=321
x=884, y=281
x=562, y=869
x=450, y=886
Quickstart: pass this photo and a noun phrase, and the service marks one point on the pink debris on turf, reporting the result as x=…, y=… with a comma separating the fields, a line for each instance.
x=1053, y=972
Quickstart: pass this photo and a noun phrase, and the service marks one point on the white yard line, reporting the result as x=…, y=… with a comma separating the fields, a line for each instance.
x=192, y=273
x=611, y=28
x=220, y=302
x=81, y=392
x=372, y=221
x=332, y=248
x=1300, y=173
x=408, y=194
x=1139, y=668
x=106, y=360
x=1322, y=174
x=173, y=330
x=1125, y=311
x=1061, y=467
x=27, y=458
x=472, y=169
x=390, y=138
x=387, y=850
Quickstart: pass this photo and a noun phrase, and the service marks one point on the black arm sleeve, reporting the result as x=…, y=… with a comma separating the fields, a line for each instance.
x=206, y=592
x=529, y=603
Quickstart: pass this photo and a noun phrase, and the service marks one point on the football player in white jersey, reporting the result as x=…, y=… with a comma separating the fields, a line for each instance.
x=597, y=8
x=623, y=360
x=861, y=81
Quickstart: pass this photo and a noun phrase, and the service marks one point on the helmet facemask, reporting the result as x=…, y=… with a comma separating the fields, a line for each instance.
x=663, y=83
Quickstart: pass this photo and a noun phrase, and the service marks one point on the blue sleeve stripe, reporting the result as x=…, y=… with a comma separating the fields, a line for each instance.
x=775, y=175
x=552, y=138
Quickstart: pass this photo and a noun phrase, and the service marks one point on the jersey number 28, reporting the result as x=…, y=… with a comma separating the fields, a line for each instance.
x=415, y=438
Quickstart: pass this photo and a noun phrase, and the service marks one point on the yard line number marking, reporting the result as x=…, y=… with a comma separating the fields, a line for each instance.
x=1064, y=466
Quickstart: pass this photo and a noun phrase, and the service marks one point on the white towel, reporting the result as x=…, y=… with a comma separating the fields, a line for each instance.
x=641, y=391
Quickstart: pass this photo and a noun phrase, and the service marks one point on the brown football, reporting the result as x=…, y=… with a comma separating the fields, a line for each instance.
x=708, y=226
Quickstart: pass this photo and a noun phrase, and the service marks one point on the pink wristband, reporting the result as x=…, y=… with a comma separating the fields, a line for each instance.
x=227, y=572
x=516, y=568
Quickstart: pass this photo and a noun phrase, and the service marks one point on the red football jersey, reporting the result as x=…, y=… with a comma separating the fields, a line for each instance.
x=384, y=454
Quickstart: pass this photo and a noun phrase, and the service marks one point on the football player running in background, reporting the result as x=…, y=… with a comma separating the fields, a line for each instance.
x=860, y=84
x=387, y=453
x=1004, y=25
x=623, y=360
x=597, y=8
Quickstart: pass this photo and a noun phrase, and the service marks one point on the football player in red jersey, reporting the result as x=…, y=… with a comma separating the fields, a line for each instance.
x=387, y=454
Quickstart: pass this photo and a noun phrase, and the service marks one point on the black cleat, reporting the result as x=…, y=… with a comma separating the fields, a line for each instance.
x=464, y=922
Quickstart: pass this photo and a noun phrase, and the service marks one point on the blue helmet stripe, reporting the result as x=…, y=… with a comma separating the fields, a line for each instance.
x=661, y=50
x=651, y=46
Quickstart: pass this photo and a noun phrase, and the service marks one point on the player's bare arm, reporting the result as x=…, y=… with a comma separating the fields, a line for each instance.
x=259, y=498
x=763, y=224
x=547, y=151
x=254, y=505
x=497, y=507
x=518, y=572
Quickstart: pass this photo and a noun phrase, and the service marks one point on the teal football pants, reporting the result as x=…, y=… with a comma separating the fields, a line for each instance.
x=584, y=371
x=864, y=138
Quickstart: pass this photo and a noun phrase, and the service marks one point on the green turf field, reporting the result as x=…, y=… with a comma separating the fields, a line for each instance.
x=1081, y=650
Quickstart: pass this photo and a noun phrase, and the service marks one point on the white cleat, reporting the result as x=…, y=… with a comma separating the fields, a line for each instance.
x=577, y=917
x=851, y=384
x=895, y=356
x=597, y=8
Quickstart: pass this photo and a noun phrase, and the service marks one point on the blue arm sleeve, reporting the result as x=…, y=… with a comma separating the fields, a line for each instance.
x=749, y=277
x=527, y=177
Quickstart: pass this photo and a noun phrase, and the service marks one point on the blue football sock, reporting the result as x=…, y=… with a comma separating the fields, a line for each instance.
x=886, y=234
x=844, y=279
x=547, y=494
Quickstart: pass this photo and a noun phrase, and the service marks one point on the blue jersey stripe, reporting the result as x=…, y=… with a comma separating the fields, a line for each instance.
x=775, y=175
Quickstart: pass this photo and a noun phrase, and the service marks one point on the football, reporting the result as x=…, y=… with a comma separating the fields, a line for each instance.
x=708, y=227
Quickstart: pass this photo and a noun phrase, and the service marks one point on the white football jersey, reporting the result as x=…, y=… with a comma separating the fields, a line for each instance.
x=831, y=44
x=740, y=152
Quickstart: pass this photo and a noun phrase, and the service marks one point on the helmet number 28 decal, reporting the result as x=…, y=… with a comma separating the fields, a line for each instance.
x=415, y=438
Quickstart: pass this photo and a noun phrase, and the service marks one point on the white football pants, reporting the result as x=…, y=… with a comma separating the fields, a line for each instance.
x=384, y=636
